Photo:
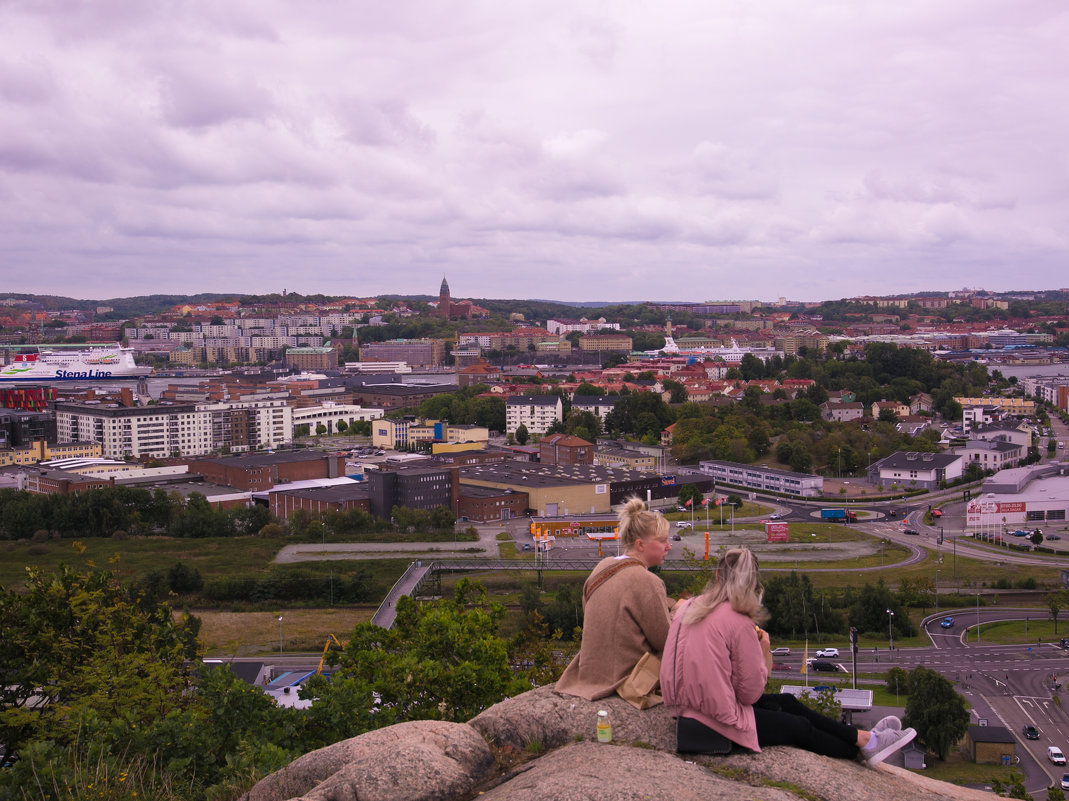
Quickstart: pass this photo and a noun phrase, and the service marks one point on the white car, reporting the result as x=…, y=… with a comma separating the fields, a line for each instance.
x=781, y=651
x=826, y=652
x=682, y=524
x=775, y=516
x=1055, y=755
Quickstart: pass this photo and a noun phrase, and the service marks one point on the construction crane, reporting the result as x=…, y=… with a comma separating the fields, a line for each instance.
x=326, y=648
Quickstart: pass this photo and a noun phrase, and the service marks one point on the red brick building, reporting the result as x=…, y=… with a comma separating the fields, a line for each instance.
x=48, y=482
x=565, y=449
x=320, y=500
x=261, y=471
x=483, y=504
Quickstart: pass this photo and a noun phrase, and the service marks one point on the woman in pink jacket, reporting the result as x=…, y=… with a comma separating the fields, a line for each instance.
x=713, y=673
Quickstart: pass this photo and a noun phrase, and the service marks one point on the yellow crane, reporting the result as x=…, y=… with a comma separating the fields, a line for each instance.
x=332, y=642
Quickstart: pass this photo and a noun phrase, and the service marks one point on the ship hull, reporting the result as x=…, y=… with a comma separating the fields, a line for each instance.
x=94, y=364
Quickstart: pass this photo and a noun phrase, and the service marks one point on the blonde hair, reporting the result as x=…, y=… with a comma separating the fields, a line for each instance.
x=738, y=582
x=638, y=524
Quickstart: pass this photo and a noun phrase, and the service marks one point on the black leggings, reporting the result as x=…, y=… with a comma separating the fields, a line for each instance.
x=784, y=720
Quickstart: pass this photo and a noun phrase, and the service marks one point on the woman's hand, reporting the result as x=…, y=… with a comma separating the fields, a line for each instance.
x=766, y=646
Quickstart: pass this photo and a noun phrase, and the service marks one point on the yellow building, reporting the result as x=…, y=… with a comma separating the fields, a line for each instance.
x=41, y=451
x=1014, y=406
x=629, y=460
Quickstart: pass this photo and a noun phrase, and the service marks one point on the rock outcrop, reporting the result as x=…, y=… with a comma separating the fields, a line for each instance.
x=540, y=746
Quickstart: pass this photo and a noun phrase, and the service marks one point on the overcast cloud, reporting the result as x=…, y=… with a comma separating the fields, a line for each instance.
x=571, y=150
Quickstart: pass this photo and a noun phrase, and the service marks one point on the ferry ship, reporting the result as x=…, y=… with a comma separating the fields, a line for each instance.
x=80, y=363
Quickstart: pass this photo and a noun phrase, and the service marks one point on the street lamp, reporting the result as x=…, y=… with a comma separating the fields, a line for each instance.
x=978, y=617
x=280, y=635
x=937, y=592
x=890, y=632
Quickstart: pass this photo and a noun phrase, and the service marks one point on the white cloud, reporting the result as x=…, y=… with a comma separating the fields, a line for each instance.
x=615, y=151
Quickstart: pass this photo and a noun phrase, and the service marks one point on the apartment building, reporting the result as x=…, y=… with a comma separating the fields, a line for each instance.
x=534, y=412
x=427, y=352
x=312, y=359
x=185, y=429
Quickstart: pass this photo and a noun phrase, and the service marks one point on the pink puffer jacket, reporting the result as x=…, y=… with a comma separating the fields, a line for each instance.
x=713, y=671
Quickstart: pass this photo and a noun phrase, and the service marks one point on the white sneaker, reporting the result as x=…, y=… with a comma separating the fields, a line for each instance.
x=889, y=722
x=887, y=742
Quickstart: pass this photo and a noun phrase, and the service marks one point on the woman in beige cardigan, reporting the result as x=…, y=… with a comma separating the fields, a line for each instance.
x=626, y=610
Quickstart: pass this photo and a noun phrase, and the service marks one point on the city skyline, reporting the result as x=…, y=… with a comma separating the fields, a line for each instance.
x=567, y=151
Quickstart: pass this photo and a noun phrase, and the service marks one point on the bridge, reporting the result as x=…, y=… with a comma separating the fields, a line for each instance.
x=424, y=578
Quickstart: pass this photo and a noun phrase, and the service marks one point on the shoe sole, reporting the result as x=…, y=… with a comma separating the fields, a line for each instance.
x=886, y=751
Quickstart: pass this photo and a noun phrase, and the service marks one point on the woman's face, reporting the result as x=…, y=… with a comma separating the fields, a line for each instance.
x=652, y=550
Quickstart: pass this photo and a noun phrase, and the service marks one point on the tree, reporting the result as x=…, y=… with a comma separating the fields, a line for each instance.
x=1056, y=602
x=869, y=612
x=935, y=710
x=1037, y=539
x=689, y=492
x=442, y=660
x=522, y=435
x=801, y=461
x=1014, y=788
x=83, y=644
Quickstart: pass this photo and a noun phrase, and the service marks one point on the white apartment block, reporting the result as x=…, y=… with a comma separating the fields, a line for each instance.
x=536, y=413
x=179, y=429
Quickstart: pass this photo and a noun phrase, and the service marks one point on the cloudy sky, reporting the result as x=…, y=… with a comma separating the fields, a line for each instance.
x=572, y=150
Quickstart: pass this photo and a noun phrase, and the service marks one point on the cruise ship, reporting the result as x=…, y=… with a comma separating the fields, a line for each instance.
x=77, y=363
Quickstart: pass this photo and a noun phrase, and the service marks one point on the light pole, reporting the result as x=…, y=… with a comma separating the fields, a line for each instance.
x=890, y=632
x=280, y=635
x=978, y=617
x=937, y=592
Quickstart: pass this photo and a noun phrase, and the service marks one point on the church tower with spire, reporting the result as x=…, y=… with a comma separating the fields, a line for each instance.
x=443, y=299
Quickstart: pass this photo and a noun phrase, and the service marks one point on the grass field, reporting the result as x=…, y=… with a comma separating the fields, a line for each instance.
x=228, y=634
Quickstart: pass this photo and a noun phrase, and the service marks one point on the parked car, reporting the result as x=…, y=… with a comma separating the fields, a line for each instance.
x=1030, y=732
x=527, y=546
x=1055, y=755
x=1053, y=537
x=781, y=651
x=828, y=652
x=1065, y=781
x=947, y=622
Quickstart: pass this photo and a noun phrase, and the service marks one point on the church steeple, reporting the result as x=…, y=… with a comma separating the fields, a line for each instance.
x=444, y=304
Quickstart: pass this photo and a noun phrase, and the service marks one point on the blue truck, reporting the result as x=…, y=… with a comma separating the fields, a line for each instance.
x=840, y=515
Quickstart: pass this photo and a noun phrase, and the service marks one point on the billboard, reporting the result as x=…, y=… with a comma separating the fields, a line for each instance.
x=777, y=532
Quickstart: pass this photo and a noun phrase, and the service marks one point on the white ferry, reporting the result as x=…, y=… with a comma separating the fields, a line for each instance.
x=80, y=363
